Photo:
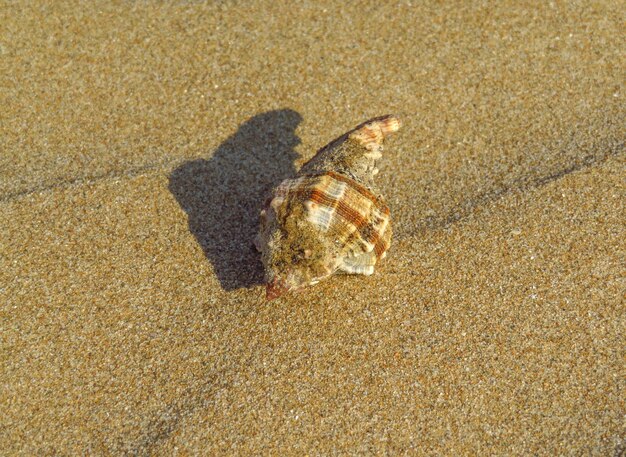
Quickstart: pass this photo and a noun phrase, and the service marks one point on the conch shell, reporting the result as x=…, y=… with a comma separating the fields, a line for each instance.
x=329, y=218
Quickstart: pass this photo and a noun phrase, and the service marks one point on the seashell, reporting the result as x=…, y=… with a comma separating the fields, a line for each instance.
x=329, y=218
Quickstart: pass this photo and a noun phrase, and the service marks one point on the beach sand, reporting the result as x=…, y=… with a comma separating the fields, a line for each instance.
x=138, y=142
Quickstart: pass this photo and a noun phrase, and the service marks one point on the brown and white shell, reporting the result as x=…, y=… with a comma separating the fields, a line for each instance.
x=329, y=218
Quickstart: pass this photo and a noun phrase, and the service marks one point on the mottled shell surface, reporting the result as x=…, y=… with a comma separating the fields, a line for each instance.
x=328, y=218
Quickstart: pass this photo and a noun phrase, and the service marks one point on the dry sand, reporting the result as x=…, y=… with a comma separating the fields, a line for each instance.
x=137, y=142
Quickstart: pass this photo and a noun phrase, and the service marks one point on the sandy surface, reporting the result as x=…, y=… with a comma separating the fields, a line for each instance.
x=137, y=143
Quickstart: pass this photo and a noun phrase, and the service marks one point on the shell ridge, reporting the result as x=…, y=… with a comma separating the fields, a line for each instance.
x=359, y=214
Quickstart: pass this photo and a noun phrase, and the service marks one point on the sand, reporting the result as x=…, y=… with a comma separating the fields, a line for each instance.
x=137, y=143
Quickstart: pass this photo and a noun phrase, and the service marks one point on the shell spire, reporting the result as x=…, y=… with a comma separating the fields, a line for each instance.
x=356, y=152
x=329, y=218
x=372, y=133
